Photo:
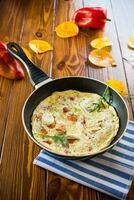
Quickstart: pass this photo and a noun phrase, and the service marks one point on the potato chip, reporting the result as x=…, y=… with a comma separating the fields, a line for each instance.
x=40, y=46
x=27, y=53
x=131, y=42
x=101, y=42
x=118, y=86
x=101, y=58
x=67, y=29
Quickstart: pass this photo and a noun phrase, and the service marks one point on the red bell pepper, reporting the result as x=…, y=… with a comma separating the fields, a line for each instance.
x=91, y=17
x=9, y=67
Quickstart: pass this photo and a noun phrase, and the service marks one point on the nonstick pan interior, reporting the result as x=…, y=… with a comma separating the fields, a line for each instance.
x=75, y=83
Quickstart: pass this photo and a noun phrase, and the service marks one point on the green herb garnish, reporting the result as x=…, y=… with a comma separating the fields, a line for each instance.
x=62, y=139
x=98, y=105
x=106, y=96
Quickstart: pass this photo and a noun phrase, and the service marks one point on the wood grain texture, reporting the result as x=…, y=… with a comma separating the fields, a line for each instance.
x=68, y=190
x=19, y=151
x=34, y=19
x=5, y=84
x=110, y=31
x=69, y=55
x=124, y=31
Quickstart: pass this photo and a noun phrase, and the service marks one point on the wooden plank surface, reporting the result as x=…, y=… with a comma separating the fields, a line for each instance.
x=124, y=31
x=118, y=72
x=69, y=54
x=19, y=150
x=20, y=21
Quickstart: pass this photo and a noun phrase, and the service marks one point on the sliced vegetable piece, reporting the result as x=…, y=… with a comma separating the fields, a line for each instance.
x=40, y=46
x=65, y=109
x=9, y=67
x=52, y=125
x=67, y=29
x=61, y=128
x=131, y=42
x=100, y=43
x=47, y=141
x=71, y=141
x=117, y=85
x=72, y=118
x=72, y=137
x=44, y=131
x=101, y=58
x=91, y=17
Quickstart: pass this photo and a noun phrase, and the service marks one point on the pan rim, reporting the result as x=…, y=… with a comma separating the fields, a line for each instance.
x=73, y=156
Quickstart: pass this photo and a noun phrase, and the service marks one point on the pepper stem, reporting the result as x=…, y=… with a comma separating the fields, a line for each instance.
x=108, y=19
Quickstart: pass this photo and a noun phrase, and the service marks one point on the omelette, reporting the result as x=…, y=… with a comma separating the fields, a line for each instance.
x=74, y=123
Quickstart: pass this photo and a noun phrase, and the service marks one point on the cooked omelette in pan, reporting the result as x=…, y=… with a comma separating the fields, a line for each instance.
x=74, y=123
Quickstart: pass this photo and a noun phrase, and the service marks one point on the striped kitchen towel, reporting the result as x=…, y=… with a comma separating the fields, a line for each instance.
x=110, y=173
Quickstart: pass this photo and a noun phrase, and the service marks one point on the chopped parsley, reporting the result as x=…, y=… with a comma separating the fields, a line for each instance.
x=62, y=139
x=106, y=96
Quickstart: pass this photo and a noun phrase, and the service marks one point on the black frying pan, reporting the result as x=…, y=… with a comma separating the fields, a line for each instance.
x=45, y=86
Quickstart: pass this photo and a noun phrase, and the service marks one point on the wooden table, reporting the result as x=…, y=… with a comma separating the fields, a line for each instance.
x=20, y=21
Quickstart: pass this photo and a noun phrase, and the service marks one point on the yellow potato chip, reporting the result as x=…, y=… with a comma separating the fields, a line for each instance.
x=27, y=53
x=101, y=58
x=100, y=43
x=40, y=46
x=118, y=86
x=67, y=29
x=131, y=42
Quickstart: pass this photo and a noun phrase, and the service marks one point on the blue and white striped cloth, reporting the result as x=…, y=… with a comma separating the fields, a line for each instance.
x=110, y=173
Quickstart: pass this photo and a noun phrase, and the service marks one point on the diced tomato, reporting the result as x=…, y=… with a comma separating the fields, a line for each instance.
x=52, y=125
x=65, y=109
x=48, y=141
x=72, y=118
x=44, y=131
x=61, y=128
x=71, y=141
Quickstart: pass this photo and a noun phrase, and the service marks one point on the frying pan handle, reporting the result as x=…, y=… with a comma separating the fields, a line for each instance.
x=36, y=75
